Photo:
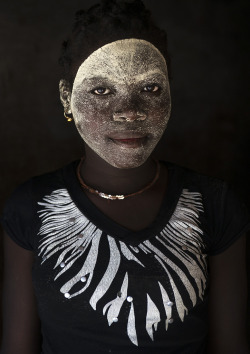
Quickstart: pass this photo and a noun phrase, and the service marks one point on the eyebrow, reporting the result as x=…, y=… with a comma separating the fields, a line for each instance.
x=96, y=78
x=150, y=73
x=138, y=77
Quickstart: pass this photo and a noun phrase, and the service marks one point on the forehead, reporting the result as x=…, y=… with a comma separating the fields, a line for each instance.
x=128, y=58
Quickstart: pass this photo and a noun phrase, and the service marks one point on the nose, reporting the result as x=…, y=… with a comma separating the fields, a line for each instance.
x=129, y=116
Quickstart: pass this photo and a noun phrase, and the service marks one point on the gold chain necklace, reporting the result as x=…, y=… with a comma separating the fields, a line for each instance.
x=116, y=196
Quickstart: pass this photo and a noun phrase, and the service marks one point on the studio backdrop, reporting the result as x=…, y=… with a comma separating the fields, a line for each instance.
x=209, y=126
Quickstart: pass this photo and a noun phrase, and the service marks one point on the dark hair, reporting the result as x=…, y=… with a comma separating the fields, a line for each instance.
x=104, y=23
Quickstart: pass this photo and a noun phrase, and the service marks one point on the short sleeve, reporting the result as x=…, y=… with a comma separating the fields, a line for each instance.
x=17, y=218
x=231, y=220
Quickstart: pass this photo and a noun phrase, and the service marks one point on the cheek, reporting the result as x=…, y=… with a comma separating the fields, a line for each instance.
x=160, y=110
x=89, y=115
x=88, y=127
x=89, y=108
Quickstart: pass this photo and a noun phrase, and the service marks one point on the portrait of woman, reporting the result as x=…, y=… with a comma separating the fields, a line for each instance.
x=119, y=250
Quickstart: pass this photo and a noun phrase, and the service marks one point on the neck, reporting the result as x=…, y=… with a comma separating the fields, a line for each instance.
x=98, y=174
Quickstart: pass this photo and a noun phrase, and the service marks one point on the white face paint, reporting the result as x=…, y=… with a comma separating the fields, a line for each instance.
x=121, y=101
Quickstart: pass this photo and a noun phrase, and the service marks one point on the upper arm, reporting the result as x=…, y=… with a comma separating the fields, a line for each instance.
x=21, y=328
x=228, y=298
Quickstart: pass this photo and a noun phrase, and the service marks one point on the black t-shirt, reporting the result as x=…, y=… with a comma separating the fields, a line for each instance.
x=102, y=288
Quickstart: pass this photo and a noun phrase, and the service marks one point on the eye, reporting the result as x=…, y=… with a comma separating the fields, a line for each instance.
x=101, y=91
x=151, y=88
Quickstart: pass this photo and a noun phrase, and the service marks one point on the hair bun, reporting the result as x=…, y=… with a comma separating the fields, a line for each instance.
x=105, y=22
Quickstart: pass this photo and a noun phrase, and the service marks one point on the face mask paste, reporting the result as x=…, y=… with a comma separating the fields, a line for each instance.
x=121, y=101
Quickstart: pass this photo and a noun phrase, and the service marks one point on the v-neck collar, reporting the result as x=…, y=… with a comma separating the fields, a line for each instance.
x=109, y=226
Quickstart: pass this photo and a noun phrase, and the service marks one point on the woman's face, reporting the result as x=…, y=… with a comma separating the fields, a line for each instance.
x=121, y=101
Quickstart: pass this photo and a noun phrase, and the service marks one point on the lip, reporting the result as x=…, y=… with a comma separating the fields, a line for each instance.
x=130, y=143
x=127, y=134
x=128, y=139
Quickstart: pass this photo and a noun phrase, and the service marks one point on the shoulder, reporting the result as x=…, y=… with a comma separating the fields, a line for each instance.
x=223, y=215
x=19, y=217
x=38, y=186
x=216, y=193
x=195, y=181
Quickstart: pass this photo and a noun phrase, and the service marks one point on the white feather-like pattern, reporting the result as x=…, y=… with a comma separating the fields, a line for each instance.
x=59, y=238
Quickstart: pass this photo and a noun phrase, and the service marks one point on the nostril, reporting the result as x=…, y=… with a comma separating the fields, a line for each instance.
x=128, y=116
x=119, y=116
x=141, y=116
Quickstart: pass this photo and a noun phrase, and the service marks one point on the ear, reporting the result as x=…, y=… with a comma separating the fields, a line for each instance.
x=65, y=95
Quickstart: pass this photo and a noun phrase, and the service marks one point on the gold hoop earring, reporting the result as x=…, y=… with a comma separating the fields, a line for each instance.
x=69, y=119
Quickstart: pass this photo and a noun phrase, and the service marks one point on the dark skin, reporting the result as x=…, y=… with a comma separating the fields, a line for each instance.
x=228, y=299
x=21, y=325
x=134, y=213
x=227, y=270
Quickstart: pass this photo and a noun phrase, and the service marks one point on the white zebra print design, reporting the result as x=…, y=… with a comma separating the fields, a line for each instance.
x=67, y=234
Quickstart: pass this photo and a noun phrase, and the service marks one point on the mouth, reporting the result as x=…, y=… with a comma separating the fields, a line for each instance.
x=129, y=139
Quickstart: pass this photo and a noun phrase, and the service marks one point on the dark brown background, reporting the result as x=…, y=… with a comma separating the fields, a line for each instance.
x=209, y=128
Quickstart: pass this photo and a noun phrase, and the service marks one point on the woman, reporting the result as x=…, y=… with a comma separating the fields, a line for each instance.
x=119, y=253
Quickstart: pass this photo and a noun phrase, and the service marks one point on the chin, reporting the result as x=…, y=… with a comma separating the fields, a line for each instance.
x=127, y=163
